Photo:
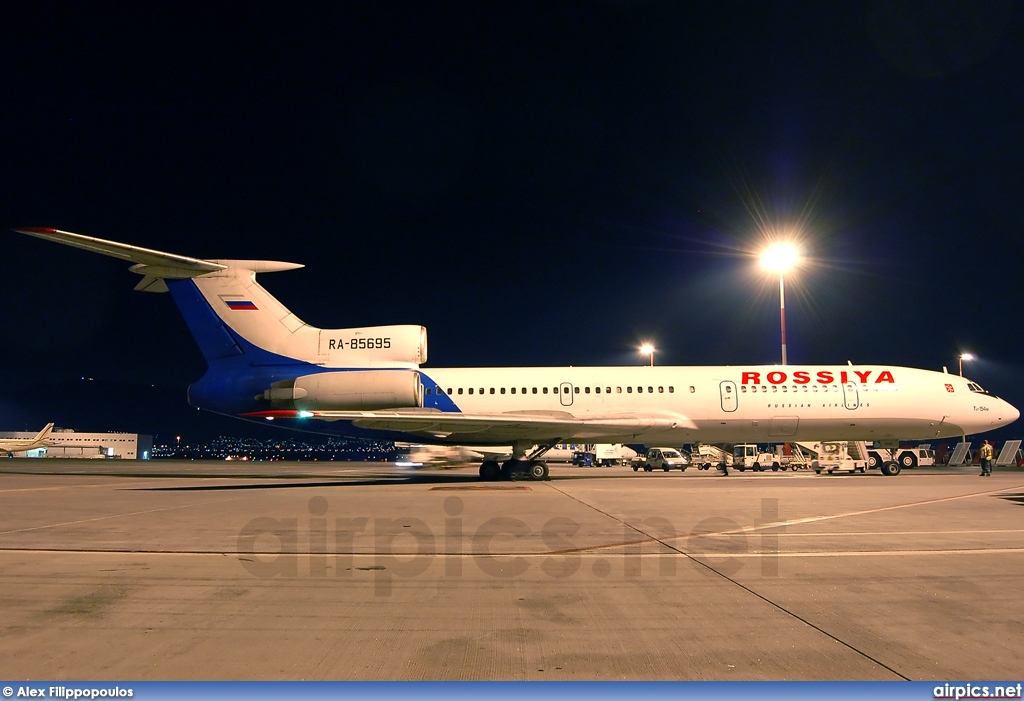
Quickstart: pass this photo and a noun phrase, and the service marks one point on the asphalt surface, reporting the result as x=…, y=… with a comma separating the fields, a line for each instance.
x=214, y=570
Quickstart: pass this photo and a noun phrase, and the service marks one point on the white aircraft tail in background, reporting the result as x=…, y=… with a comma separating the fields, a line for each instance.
x=13, y=445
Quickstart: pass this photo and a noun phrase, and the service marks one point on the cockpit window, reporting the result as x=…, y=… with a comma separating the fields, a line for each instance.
x=975, y=387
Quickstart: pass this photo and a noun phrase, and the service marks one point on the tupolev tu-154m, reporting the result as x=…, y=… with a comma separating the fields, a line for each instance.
x=371, y=382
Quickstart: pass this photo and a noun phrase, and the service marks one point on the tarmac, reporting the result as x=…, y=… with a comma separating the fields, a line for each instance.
x=367, y=571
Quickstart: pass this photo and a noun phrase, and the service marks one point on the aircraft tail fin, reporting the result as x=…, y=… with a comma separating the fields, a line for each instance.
x=45, y=433
x=233, y=318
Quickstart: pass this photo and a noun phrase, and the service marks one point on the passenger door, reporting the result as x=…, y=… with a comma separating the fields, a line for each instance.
x=727, y=389
x=565, y=394
x=851, y=396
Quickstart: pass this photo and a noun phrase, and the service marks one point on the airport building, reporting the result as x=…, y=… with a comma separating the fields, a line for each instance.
x=68, y=443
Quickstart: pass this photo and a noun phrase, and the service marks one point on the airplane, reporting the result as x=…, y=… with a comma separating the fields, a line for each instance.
x=264, y=363
x=13, y=445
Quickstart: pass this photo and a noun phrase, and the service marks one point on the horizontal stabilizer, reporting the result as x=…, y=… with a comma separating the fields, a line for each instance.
x=160, y=264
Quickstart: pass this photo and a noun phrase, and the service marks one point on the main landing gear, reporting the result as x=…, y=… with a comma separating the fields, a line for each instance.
x=518, y=467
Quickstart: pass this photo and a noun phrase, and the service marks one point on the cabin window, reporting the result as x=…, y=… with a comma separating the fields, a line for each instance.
x=586, y=390
x=492, y=390
x=618, y=390
x=428, y=390
x=503, y=390
x=775, y=388
x=471, y=390
x=545, y=390
x=535, y=390
x=481, y=390
x=513, y=390
x=629, y=390
x=639, y=390
x=576, y=390
x=671, y=389
x=597, y=390
x=607, y=390
x=460, y=390
x=692, y=389
x=661, y=390
x=524, y=390
x=785, y=388
x=650, y=390
x=449, y=390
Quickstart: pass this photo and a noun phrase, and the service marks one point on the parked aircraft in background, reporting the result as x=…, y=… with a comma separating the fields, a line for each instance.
x=15, y=445
x=267, y=364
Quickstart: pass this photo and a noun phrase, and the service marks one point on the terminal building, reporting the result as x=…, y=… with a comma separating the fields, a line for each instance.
x=73, y=444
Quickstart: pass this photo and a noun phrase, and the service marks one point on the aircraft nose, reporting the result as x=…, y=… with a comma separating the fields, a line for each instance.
x=1010, y=414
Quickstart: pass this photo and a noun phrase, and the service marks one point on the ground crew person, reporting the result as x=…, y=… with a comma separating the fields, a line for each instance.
x=986, y=459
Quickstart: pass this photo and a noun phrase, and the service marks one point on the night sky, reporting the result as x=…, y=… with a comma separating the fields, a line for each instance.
x=537, y=183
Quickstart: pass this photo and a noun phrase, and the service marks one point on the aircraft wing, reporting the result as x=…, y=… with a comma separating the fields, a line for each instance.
x=498, y=427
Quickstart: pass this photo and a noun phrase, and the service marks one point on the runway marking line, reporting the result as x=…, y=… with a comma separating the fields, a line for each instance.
x=103, y=518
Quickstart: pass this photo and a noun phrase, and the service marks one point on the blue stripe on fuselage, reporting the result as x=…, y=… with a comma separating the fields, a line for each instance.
x=436, y=399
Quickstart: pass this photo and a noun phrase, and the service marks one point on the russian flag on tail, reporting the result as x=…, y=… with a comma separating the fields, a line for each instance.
x=238, y=304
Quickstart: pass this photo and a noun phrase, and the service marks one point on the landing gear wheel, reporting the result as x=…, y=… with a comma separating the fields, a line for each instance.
x=908, y=461
x=490, y=471
x=890, y=469
x=538, y=470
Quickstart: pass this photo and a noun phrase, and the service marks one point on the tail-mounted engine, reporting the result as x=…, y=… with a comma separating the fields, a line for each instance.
x=347, y=391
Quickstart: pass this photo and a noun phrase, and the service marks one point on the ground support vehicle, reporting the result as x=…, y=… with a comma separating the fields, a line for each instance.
x=707, y=456
x=661, y=459
x=908, y=458
x=606, y=454
x=844, y=456
x=583, y=458
x=749, y=455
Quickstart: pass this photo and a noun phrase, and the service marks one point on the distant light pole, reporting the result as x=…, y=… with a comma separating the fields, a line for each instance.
x=179, y=445
x=648, y=349
x=781, y=258
x=962, y=357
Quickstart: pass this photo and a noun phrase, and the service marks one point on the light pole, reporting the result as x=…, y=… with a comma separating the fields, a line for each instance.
x=781, y=258
x=648, y=349
x=962, y=357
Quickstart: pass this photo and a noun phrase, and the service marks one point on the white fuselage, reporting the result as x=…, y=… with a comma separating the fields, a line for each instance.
x=679, y=405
